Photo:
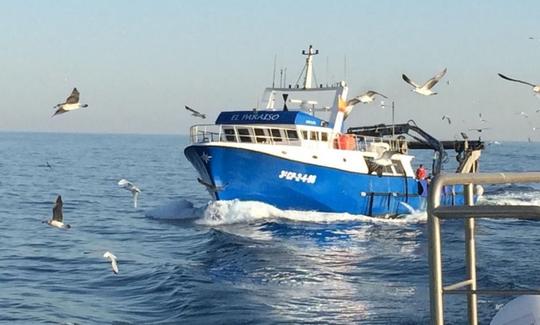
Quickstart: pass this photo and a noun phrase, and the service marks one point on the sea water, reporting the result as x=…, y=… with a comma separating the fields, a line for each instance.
x=183, y=259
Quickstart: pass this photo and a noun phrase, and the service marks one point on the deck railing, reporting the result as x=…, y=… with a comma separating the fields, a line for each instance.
x=286, y=136
x=469, y=213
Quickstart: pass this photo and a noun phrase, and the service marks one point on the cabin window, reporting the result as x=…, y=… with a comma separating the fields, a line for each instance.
x=261, y=138
x=292, y=135
x=314, y=136
x=244, y=135
x=398, y=166
x=304, y=135
x=324, y=136
x=276, y=135
x=229, y=135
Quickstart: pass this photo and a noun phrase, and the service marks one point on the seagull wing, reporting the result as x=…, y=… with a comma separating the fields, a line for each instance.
x=57, y=210
x=191, y=110
x=353, y=101
x=114, y=265
x=125, y=183
x=370, y=93
x=433, y=81
x=135, y=197
x=516, y=80
x=409, y=81
x=59, y=111
x=74, y=97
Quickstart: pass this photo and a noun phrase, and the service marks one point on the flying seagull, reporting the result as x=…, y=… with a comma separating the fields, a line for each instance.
x=71, y=103
x=425, y=89
x=525, y=115
x=113, y=259
x=57, y=219
x=195, y=113
x=536, y=88
x=367, y=97
x=124, y=183
x=481, y=118
x=384, y=160
x=478, y=129
x=447, y=118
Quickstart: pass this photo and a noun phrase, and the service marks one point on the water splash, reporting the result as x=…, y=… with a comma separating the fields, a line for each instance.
x=235, y=211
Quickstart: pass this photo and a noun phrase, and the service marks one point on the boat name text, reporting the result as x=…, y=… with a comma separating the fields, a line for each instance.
x=298, y=177
x=255, y=117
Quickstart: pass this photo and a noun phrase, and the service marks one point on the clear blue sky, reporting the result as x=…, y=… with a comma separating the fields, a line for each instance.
x=137, y=63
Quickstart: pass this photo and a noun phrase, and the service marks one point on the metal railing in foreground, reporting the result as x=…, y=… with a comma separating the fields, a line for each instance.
x=468, y=213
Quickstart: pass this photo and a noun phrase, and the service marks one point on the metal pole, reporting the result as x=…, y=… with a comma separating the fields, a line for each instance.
x=470, y=250
x=434, y=254
x=393, y=119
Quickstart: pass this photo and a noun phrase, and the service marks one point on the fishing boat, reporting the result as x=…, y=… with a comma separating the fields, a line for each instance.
x=289, y=155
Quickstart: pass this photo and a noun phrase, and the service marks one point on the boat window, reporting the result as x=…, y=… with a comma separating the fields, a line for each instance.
x=292, y=135
x=244, y=135
x=261, y=138
x=314, y=135
x=304, y=135
x=276, y=135
x=229, y=135
x=398, y=166
x=324, y=136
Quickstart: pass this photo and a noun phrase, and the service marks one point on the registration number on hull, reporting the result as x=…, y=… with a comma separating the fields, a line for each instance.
x=298, y=177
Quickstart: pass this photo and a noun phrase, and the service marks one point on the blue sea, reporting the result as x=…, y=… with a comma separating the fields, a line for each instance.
x=185, y=260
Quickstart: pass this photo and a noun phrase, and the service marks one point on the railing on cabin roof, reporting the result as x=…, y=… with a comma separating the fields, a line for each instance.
x=293, y=136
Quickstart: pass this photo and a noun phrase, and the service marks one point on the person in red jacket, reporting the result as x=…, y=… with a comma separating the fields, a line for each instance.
x=421, y=172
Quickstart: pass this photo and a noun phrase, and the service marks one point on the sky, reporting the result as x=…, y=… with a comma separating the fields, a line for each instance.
x=137, y=63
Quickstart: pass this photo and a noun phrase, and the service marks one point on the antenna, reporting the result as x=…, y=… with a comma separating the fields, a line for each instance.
x=274, y=74
x=309, y=68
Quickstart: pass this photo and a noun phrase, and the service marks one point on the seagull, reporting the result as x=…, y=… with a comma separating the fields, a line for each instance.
x=384, y=160
x=482, y=120
x=446, y=117
x=425, y=89
x=367, y=97
x=113, y=259
x=195, y=113
x=525, y=115
x=536, y=88
x=124, y=183
x=478, y=129
x=71, y=103
x=57, y=219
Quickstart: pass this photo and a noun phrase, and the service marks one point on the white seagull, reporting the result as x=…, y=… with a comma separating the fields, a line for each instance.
x=447, y=118
x=536, y=88
x=71, y=103
x=195, y=113
x=367, y=97
x=124, y=183
x=57, y=219
x=384, y=160
x=425, y=89
x=113, y=259
x=525, y=115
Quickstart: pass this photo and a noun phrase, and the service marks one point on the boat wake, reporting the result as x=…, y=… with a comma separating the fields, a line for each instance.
x=235, y=211
x=512, y=198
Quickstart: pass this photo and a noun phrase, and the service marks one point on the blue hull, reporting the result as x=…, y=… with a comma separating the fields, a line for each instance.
x=234, y=173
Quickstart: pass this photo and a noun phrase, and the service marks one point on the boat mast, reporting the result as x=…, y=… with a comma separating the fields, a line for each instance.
x=309, y=66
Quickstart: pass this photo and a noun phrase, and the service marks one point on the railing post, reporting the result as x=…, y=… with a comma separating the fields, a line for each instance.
x=434, y=253
x=470, y=248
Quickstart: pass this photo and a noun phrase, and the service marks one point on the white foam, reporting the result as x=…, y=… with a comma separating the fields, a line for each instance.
x=235, y=211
